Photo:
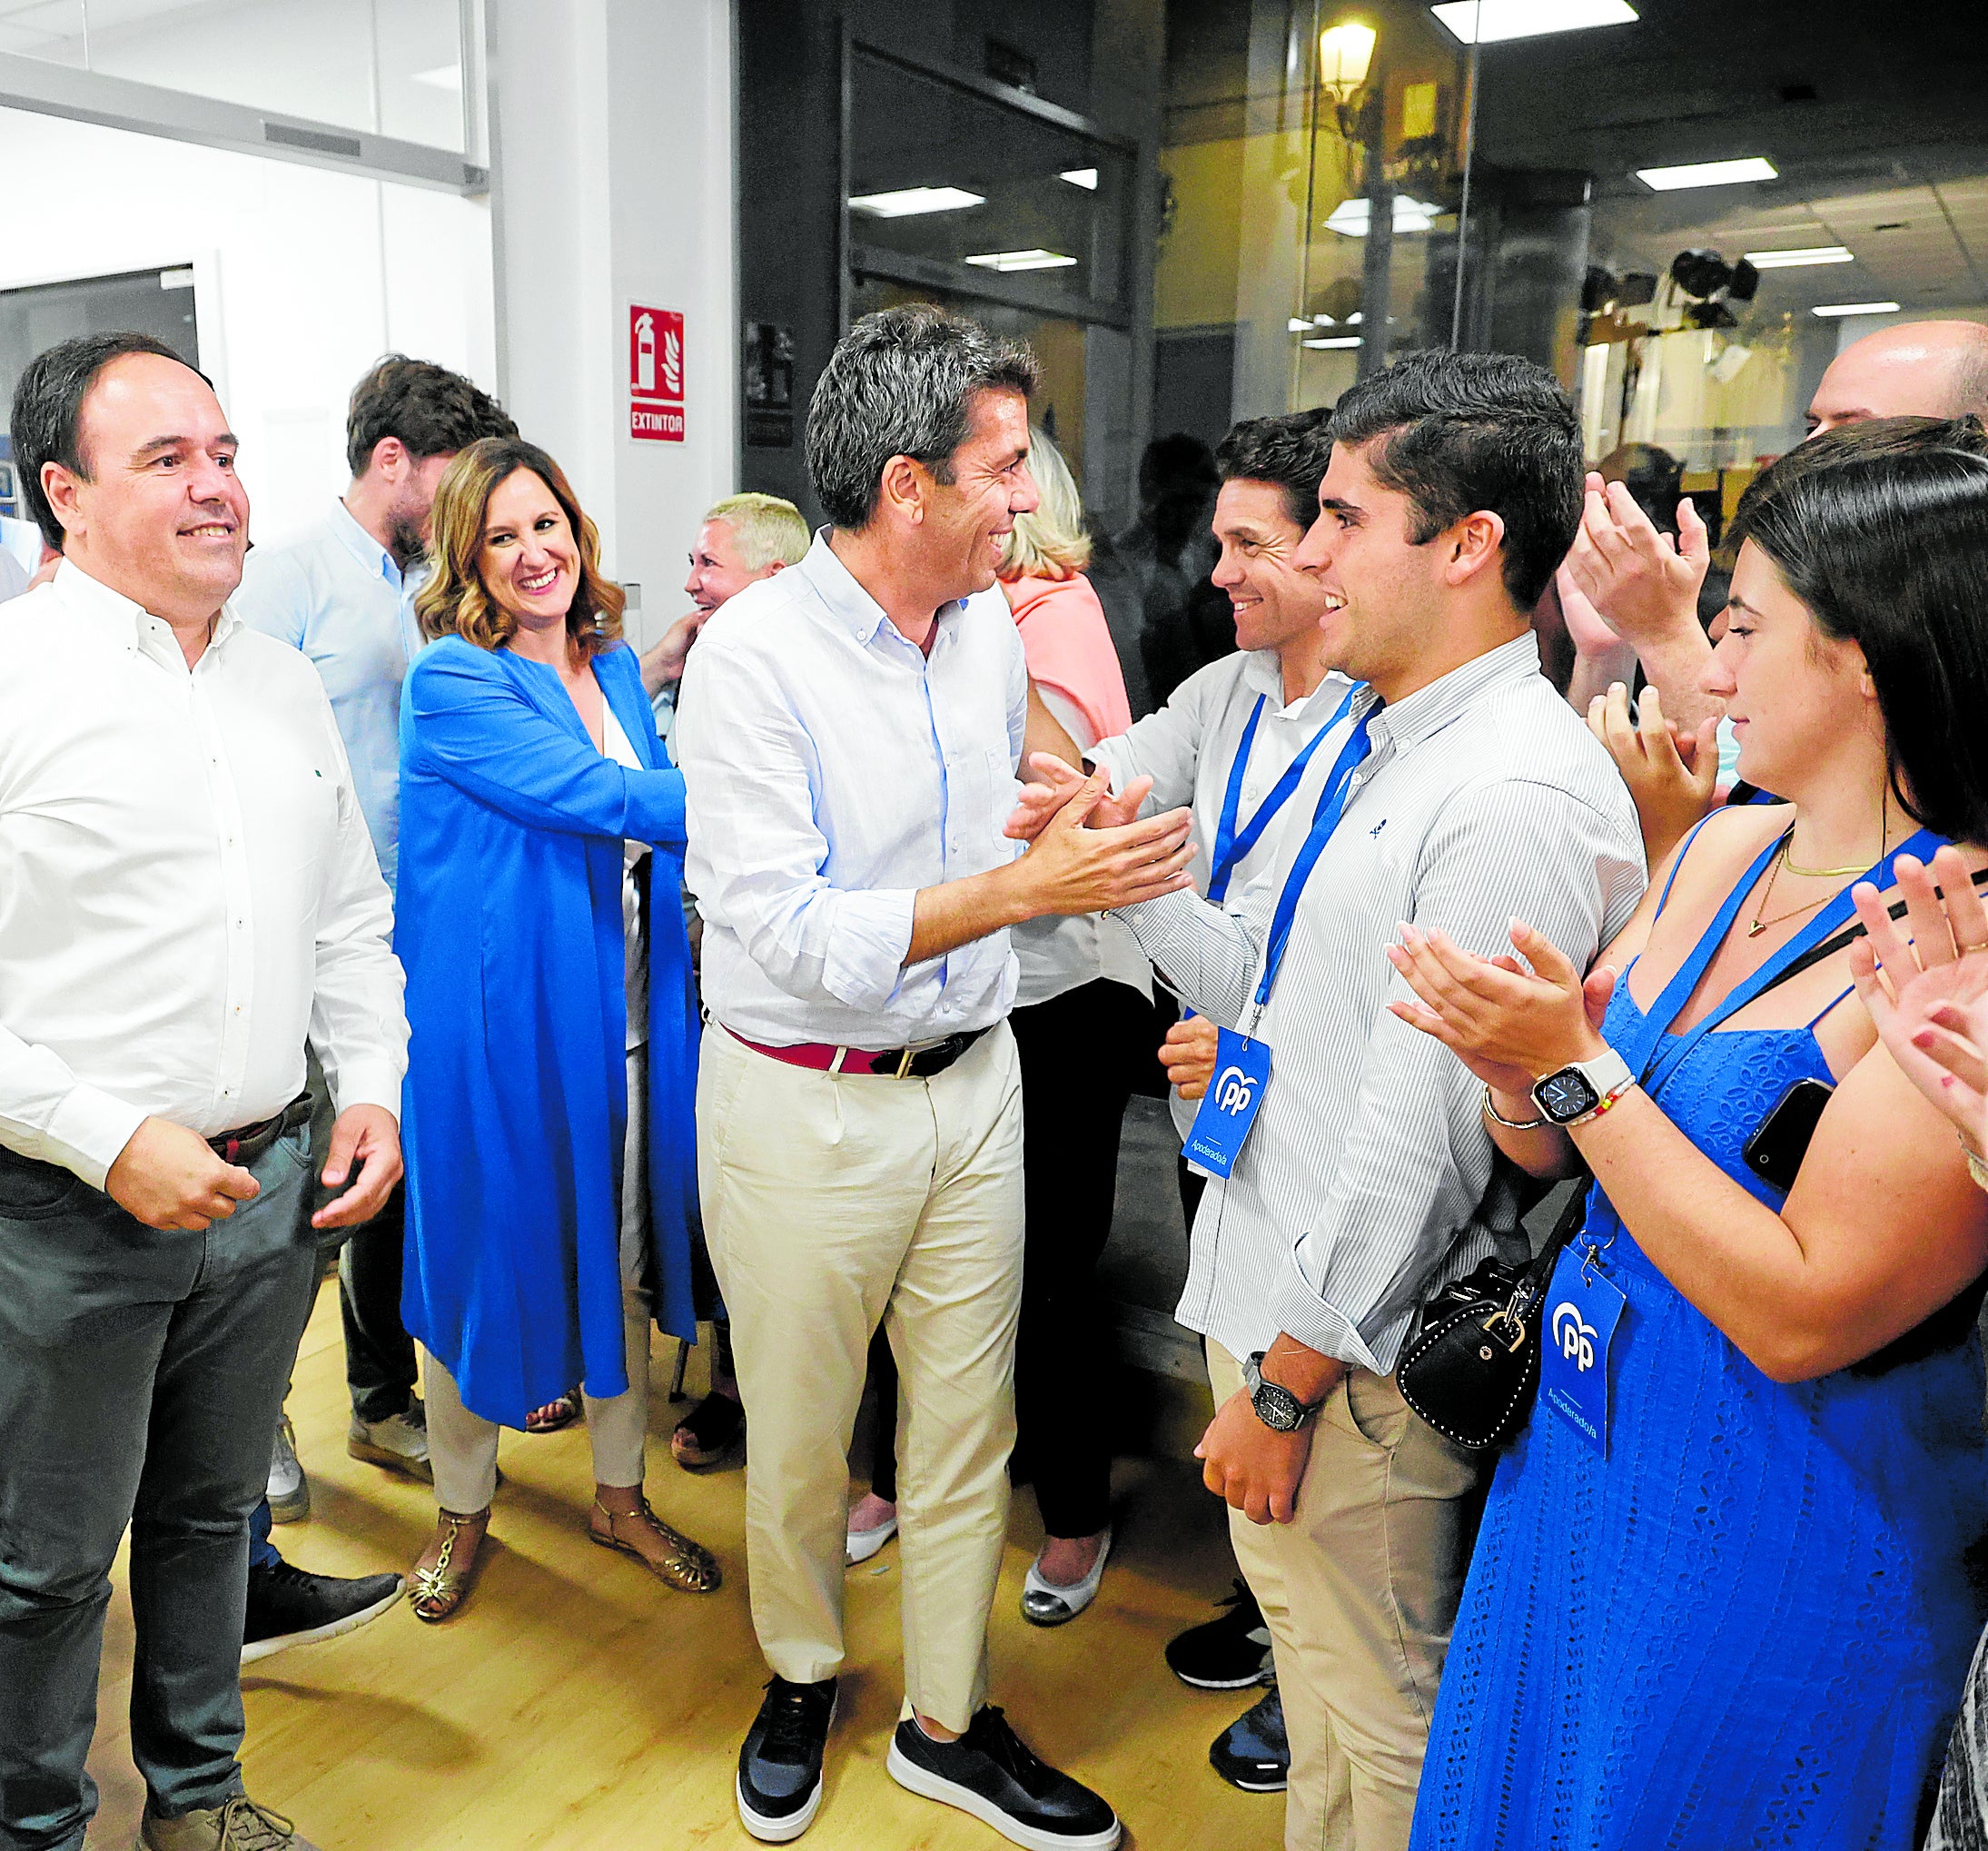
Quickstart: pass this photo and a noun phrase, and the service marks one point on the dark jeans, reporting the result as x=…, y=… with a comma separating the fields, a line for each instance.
x=1083, y=1053
x=380, y=1368
x=140, y=1377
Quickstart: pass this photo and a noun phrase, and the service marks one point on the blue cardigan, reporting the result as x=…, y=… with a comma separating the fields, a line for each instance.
x=509, y=921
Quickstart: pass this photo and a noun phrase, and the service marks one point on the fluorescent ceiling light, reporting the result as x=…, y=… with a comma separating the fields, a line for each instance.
x=908, y=201
x=1085, y=177
x=1333, y=341
x=1298, y=327
x=1856, y=309
x=1351, y=219
x=442, y=77
x=1021, y=260
x=1796, y=260
x=1706, y=174
x=1484, y=22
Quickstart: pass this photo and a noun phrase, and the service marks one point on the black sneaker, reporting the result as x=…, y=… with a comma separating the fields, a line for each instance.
x=1227, y=1653
x=1253, y=1752
x=990, y=1773
x=288, y=1607
x=779, y=1767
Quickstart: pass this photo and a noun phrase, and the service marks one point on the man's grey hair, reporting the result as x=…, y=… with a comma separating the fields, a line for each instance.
x=901, y=383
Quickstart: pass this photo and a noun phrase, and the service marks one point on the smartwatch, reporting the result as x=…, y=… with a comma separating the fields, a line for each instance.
x=1586, y=1090
x=1279, y=1410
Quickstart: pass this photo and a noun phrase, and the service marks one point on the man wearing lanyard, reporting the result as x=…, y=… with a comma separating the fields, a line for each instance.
x=1236, y=740
x=186, y=892
x=1359, y=1175
x=343, y=594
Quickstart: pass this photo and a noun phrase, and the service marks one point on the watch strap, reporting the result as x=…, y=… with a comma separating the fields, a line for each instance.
x=1608, y=1077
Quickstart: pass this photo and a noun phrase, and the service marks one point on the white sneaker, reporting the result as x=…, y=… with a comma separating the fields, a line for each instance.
x=1044, y=1603
x=289, y=1490
x=865, y=1543
x=399, y=1442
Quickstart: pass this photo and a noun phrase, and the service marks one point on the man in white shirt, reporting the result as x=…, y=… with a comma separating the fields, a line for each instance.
x=344, y=594
x=1461, y=791
x=849, y=736
x=186, y=893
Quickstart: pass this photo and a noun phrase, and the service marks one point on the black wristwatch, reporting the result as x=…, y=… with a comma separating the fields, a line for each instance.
x=1279, y=1410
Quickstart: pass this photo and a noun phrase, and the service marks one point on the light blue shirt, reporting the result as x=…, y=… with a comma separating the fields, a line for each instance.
x=337, y=596
x=834, y=769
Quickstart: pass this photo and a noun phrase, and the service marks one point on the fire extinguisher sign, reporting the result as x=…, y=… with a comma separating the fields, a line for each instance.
x=655, y=374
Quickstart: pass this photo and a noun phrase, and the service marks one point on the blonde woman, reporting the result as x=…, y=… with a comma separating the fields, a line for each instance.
x=548, y=1119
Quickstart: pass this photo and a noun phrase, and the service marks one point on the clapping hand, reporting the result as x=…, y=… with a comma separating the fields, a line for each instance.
x=1643, y=582
x=1928, y=994
x=1188, y=1054
x=1508, y=1024
x=1671, y=775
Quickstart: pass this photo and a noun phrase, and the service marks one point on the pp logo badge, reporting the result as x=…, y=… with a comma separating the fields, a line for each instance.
x=1575, y=1336
x=1235, y=1091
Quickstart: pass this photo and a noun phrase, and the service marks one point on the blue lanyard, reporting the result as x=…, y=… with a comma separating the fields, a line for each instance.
x=1325, y=819
x=1655, y=1060
x=1231, y=847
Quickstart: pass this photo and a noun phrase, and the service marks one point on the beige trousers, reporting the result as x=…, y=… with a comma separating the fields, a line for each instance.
x=462, y=1445
x=1359, y=1591
x=832, y=1204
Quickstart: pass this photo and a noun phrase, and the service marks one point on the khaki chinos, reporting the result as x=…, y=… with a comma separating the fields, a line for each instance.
x=1359, y=1591
x=833, y=1202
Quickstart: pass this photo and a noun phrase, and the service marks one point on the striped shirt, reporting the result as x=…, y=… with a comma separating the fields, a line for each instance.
x=1362, y=1187
x=1189, y=747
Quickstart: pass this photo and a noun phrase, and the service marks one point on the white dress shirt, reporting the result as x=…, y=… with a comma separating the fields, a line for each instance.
x=1362, y=1187
x=186, y=885
x=832, y=770
x=338, y=595
x=1189, y=747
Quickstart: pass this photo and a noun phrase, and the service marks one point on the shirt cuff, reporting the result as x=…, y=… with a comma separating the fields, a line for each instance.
x=1301, y=1314
x=88, y=1132
x=868, y=941
x=367, y=1081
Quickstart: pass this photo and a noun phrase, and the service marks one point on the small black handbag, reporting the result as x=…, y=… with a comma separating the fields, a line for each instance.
x=1474, y=1370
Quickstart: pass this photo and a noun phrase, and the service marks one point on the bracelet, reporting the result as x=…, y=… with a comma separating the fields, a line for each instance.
x=1977, y=1167
x=1497, y=1117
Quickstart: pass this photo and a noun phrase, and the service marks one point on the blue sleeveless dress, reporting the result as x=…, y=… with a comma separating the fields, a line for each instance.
x=1749, y=1624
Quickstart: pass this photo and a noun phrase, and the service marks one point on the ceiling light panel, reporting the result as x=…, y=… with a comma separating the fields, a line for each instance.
x=1352, y=217
x=1798, y=259
x=1485, y=21
x=908, y=201
x=1085, y=177
x=1004, y=261
x=1706, y=174
x=1835, y=309
x=1333, y=341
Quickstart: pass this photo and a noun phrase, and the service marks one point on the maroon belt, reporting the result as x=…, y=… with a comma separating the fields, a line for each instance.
x=893, y=1063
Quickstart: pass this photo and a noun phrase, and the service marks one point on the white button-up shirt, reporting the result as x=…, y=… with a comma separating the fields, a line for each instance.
x=834, y=769
x=337, y=596
x=186, y=885
x=1362, y=1188
x=1189, y=748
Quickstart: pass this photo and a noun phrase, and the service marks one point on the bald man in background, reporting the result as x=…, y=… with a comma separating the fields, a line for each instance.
x=1646, y=587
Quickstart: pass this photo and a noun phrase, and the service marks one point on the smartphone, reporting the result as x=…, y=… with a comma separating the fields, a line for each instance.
x=1778, y=1146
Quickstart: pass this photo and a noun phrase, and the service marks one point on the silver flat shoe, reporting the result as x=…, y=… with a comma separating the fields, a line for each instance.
x=1045, y=1604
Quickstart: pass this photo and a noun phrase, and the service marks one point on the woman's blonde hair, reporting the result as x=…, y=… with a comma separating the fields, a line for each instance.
x=454, y=601
x=1050, y=543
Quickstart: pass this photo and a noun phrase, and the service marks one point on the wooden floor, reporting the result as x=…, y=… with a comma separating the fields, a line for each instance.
x=577, y=1702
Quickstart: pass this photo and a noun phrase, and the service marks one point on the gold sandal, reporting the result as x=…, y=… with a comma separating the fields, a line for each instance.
x=438, y=1592
x=688, y=1566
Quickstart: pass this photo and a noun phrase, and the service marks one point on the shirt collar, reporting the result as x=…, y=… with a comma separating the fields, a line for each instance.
x=96, y=603
x=1426, y=712
x=362, y=546
x=1264, y=673
x=842, y=596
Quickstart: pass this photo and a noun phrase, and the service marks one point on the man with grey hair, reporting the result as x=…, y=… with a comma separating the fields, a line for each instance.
x=849, y=737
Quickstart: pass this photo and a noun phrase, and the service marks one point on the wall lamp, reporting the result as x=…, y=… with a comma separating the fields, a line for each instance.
x=1346, y=54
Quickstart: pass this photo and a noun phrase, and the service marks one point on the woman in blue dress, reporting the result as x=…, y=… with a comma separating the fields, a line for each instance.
x=548, y=1107
x=1719, y=1596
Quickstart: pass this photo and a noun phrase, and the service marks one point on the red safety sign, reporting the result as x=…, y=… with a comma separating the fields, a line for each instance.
x=655, y=374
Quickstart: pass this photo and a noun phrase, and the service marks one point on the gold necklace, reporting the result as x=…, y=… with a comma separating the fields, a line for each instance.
x=1760, y=924
x=1883, y=836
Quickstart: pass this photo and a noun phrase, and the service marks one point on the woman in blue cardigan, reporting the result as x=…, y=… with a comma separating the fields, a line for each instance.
x=547, y=1109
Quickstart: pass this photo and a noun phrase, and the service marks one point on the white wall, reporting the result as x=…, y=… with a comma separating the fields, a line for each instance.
x=611, y=166
x=306, y=278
